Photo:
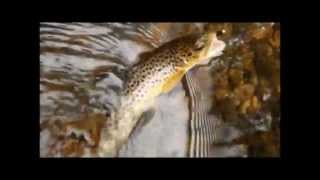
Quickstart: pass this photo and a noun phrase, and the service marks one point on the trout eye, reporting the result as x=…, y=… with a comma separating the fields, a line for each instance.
x=220, y=33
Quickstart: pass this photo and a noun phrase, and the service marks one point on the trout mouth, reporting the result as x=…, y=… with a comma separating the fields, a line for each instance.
x=215, y=47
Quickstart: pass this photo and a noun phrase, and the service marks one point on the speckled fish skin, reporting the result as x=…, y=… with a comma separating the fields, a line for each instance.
x=158, y=73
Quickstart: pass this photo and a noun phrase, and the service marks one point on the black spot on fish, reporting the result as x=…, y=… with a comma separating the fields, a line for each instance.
x=134, y=82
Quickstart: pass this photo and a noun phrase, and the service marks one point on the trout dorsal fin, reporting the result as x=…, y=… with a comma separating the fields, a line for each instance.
x=145, y=55
x=142, y=57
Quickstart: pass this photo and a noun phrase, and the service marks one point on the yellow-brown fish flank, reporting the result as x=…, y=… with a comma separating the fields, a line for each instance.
x=164, y=63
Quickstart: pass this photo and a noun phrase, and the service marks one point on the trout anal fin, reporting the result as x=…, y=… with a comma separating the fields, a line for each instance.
x=173, y=81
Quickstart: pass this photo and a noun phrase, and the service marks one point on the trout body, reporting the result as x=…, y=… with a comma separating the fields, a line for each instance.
x=158, y=72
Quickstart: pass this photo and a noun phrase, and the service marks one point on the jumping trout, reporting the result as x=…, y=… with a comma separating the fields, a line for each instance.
x=158, y=72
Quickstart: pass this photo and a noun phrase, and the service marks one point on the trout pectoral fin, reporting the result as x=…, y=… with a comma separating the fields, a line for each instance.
x=172, y=81
x=143, y=121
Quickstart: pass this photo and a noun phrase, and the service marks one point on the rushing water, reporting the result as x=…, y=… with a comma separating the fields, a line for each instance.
x=82, y=70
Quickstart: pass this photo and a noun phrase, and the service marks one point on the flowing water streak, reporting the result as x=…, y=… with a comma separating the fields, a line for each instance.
x=85, y=61
x=201, y=125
